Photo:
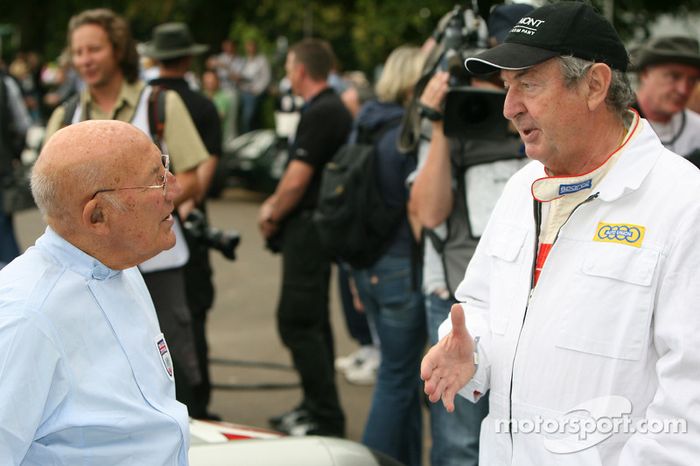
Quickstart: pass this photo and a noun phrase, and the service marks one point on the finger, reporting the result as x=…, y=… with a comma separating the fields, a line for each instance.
x=427, y=366
x=448, y=400
x=459, y=329
x=439, y=390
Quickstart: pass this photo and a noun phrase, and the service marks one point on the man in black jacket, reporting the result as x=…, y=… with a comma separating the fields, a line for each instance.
x=173, y=48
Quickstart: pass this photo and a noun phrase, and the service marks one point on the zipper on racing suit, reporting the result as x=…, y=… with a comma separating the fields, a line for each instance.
x=537, y=211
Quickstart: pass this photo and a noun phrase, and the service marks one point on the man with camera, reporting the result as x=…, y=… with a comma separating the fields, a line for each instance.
x=579, y=307
x=446, y=205
x=173, y=48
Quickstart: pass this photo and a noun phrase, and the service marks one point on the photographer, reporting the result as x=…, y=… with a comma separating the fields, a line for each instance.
x=440, y=198
x=173, y=48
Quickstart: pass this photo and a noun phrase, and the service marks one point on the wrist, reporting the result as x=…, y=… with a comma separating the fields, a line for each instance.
x=430, y=113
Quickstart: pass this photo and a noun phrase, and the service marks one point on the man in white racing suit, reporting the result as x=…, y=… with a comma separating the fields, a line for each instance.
x=578, y=310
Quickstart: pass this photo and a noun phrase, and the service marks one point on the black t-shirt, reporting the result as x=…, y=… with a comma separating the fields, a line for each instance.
x=324, y=126
x=202, y=111
x=198, y=286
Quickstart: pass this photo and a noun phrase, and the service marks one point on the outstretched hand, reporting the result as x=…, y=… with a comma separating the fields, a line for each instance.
x=449, y=365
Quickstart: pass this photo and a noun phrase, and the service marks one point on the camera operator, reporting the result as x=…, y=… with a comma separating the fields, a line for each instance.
x=174, y=50
x=440, y=197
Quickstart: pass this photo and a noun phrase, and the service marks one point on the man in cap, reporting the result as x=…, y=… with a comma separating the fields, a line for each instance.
x=583, y=323
x=173, y=49
x=443, y=189
x=86, y=372
x=669, y=69
x=104, y=54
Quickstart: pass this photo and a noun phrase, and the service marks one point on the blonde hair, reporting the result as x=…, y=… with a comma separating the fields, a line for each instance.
x=401, y=72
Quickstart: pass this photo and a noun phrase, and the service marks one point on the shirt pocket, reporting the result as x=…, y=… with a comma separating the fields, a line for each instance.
x=610, y=308
x=507, y=259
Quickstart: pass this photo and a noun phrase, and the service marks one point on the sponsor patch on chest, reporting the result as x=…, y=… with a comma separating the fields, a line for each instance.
x=165, y=356
x=621, y=233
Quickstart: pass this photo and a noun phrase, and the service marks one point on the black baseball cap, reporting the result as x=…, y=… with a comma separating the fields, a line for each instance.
x=557, y=29
x=503, y=17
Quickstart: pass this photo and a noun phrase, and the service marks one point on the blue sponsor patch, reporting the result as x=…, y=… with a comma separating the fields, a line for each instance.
x=574, y=188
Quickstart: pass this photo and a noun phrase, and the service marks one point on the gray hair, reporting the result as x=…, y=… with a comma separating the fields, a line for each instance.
x=45, y=194
x=620, y=95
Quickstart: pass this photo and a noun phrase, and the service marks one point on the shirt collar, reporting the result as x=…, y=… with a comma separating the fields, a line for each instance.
x=129, y=94
x=70, y=257
x=324, y=91
x=553, y=187
x=640, y=154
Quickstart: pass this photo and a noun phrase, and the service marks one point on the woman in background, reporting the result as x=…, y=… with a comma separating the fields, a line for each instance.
x=390, y=288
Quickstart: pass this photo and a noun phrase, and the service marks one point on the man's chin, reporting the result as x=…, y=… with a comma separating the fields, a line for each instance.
x=170, y=242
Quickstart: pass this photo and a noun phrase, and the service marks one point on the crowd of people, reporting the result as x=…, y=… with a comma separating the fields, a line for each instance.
x=547, y=264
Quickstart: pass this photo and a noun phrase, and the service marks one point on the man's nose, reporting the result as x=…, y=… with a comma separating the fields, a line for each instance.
x=173, y=188
x=512, y=106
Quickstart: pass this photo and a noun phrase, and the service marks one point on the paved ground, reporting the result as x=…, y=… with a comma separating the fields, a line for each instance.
x=242, y=327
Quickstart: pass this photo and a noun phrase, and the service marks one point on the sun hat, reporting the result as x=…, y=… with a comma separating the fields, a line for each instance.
x=558, y=29
x=172, y=40
x=672, y=49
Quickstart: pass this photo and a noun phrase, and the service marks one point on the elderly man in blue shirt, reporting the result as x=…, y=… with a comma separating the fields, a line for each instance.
x=85, y=372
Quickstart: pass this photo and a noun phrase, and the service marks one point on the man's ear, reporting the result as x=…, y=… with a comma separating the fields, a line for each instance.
x=599, y=79
x=95, y=217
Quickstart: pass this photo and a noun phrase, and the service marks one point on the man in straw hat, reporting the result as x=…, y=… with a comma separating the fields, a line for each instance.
x=174, y=49
x=669, y=69
x=583, y=323
x=104, y=54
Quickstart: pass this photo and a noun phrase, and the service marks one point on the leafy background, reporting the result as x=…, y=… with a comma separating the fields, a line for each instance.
x=362, y=32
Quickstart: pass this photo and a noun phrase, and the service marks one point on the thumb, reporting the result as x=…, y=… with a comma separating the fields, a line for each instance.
x=459, y=329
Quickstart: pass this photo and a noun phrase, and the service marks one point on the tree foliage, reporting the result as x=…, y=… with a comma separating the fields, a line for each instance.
x=362, y=32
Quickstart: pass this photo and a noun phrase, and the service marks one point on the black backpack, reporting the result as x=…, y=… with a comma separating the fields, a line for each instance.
x=352, y=219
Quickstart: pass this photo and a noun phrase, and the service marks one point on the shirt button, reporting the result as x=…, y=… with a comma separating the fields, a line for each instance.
x=100, y=272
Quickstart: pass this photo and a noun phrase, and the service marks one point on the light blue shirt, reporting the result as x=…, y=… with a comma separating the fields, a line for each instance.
x=85, y=374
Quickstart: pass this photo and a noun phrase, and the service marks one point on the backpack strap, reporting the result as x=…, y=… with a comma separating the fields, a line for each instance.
x=69, y=108
x=156, y=114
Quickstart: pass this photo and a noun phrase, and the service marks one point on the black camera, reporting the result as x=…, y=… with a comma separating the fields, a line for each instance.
x=225, y=242
x=469, y=113
x=460, y=38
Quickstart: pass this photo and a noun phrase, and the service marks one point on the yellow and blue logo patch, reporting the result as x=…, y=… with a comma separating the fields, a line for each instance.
x=621, y=233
